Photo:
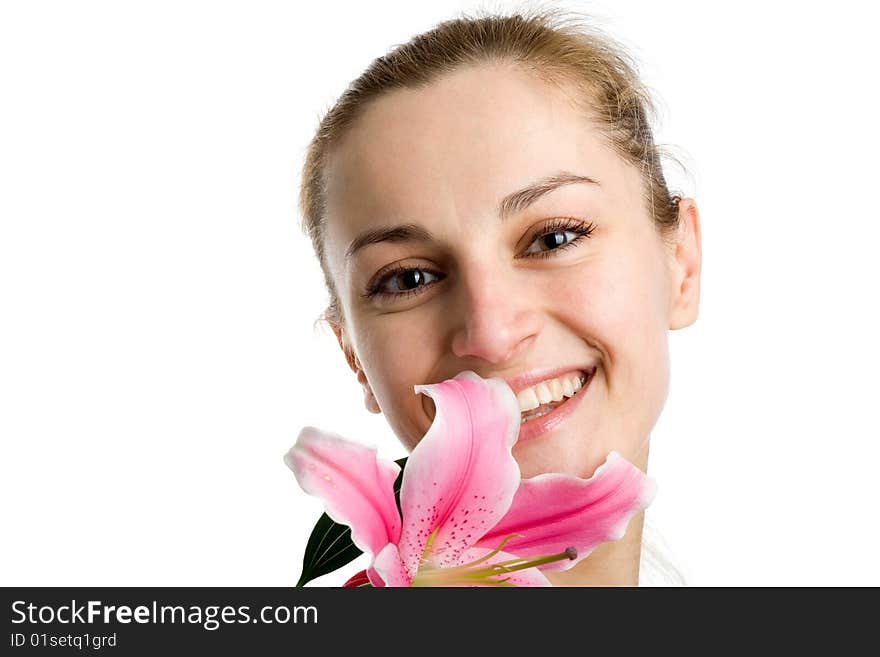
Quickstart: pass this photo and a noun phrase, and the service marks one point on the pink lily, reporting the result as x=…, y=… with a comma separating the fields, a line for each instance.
x=468, y=517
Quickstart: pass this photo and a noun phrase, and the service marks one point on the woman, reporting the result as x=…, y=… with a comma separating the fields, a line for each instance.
x=488, y=197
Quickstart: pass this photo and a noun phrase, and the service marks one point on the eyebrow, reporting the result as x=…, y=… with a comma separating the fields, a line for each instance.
x=512, y=203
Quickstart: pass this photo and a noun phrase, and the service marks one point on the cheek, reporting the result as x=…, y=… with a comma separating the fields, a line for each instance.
x=618, y=307
x=394, y=362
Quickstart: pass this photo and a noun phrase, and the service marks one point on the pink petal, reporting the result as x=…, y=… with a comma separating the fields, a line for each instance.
x=374, y=578
x=460, y=479
x=554, y=511
x=388, y=566
x=357, y=487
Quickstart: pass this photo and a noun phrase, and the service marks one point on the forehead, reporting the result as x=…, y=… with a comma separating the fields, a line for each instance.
x=457, y=146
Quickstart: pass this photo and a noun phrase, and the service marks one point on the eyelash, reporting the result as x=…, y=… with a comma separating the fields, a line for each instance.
x=563, y=224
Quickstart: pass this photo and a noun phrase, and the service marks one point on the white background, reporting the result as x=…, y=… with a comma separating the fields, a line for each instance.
x=157, y=298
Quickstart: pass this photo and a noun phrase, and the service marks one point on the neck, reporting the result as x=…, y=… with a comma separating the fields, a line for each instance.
x=615, y=563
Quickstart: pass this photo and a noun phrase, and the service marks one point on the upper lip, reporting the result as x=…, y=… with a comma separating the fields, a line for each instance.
x=523, y=381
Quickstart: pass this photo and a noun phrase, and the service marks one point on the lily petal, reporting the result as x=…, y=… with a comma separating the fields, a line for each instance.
x=356, y=486
x=553, y=511
x=389, y=568
x=461, y=477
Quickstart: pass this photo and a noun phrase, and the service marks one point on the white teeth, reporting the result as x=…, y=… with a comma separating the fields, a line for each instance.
x=544, y=394
x=527, y=399
x=567, y=387
x=552, y=390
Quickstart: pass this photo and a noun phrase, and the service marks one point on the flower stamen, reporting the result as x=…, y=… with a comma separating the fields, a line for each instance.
x=474, y=573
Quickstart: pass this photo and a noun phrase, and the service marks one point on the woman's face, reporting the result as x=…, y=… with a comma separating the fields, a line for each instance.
x=568, y=277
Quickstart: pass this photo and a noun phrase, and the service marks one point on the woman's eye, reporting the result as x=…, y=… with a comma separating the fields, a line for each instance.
x=559, y=235
x=402, y=282
x=551, y=241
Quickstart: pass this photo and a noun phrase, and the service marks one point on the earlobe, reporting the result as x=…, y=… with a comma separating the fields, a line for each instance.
x=369, y=398
x=686, y=267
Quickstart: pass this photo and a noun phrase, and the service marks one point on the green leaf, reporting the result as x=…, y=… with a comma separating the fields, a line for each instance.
x=330, y=546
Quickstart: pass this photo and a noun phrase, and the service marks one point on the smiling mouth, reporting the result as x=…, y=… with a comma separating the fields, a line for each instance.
x=526, y=401
x=568, y=389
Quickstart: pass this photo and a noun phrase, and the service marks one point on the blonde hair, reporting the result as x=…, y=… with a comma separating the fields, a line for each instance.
x=559, y=47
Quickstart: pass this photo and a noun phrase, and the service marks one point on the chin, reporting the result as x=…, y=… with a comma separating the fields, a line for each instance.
x=537, y=457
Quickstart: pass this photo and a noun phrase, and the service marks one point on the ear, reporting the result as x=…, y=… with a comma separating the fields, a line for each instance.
x=352, y=360
x=686, y=263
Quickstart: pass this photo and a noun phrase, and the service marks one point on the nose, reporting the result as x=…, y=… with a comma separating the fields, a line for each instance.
x=496, y=319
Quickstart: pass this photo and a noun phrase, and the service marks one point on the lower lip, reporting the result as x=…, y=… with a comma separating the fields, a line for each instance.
x=546, y=423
